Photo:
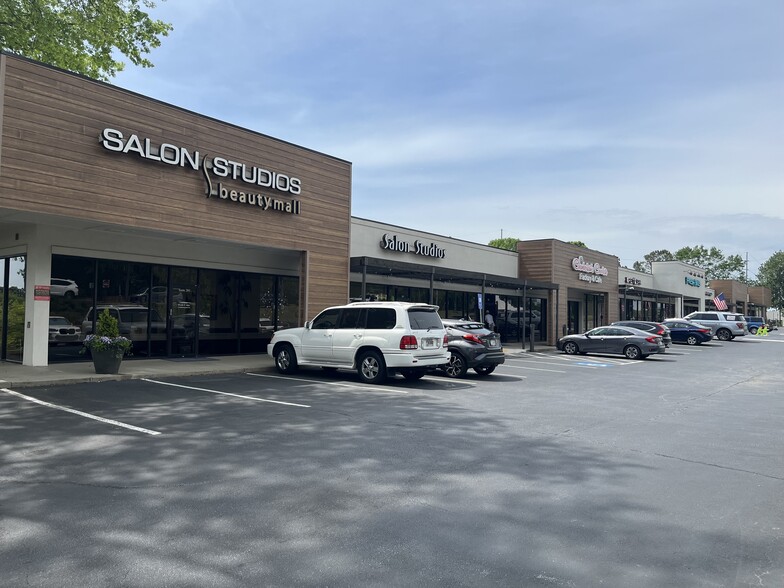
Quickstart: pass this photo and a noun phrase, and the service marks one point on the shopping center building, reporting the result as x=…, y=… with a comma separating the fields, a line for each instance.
x=200, y=236
x=203, y=238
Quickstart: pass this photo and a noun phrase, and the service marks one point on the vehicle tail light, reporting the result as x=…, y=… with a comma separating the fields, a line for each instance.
x=652, y=339
x=660, y=332
x=446, y=341
x=472, y=338
x=706, y=331
x=740, y=325
x=408, y=342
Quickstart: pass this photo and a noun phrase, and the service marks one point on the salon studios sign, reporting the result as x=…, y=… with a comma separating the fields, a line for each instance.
x=215, y=170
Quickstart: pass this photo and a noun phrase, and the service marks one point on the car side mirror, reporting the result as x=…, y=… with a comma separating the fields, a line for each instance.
x=308, y=324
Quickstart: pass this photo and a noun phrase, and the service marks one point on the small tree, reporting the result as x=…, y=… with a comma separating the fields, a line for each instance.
x=107, y=337
x=107, y=325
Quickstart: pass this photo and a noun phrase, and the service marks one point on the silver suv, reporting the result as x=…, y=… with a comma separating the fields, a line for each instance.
x=375, y=338
x=723, y=325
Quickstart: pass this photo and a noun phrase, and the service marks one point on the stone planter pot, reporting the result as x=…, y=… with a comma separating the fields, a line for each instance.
x=106, y=361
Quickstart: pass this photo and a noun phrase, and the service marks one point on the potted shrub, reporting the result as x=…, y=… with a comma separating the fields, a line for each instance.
x=106, y=346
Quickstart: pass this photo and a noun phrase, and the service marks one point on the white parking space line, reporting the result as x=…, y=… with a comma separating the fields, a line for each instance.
x=537, y=361
x=520, y=367
x=332, y=383
x=80, y=413
x=226, y=393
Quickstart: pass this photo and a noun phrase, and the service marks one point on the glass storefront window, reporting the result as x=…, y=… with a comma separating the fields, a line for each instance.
x=12, y=308
x=288, y=302
x=70, y=301
x=268, y=295
x=168, y=310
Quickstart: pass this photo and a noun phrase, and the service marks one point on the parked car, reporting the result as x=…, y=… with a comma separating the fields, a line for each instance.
x=471, y=346
x=374, y=338
x=689, y=332
x=651, y=327
x=754, y=323
x=724, y=325
x=628, y=341
x=62, y=332
x=132, y=320
x=62, y=287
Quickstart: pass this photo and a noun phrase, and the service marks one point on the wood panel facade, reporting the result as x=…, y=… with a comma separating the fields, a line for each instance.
x=52, y=163
x=590, y=282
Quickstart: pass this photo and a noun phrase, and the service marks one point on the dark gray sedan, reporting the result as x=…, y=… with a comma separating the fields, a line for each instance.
x=471, y=345
x=633, y=343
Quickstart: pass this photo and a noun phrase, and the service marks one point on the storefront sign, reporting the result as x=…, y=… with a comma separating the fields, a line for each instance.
x=213, y=169
x=41, y=292
x=692, y=282
x=589, y=272
x=632, y=281
x=392, y=243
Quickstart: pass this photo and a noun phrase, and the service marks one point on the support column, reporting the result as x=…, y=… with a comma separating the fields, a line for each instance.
x=38, y=271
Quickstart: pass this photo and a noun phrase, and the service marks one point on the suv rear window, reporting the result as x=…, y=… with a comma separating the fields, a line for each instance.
x=423, y=319
x=381, y=318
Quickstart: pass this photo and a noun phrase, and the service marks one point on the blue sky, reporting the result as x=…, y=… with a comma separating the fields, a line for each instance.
x=631, y=126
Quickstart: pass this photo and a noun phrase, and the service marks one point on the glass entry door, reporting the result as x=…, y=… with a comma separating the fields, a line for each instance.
x=186, y=322
x=573, y=317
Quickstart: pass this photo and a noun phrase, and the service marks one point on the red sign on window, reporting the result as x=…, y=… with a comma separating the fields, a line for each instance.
x=41, y=293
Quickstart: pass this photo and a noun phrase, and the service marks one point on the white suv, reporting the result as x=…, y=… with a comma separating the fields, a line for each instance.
x=723, y=325
x=374, y=338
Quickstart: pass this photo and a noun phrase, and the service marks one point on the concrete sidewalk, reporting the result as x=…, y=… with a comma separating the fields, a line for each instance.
x=18, y=375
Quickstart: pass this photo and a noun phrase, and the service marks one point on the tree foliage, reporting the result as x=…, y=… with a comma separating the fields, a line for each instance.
x=657, y=255
x=578, y=244
x=713, y=261
x=771, y=274
x=81, y=35
x=509, y=243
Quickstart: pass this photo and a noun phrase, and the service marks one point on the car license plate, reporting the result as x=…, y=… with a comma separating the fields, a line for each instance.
x=429, y=342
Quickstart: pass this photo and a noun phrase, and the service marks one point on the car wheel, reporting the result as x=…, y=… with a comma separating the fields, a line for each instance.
x=632, y=352
x=570, y=348
x=753, y=330
x=371, y=368
x=457, y=367
x=286, y=359
x=484, y=370
x=69, y=294
x=723, y=335
x=411, y=374
x=692, y=340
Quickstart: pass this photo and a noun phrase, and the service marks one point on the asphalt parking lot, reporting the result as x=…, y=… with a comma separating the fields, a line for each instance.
x=554, y=471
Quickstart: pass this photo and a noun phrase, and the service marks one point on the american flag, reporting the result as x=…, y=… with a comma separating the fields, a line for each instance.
x=719, y=301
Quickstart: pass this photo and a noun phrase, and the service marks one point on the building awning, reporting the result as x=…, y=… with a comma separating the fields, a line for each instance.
x=385, y=267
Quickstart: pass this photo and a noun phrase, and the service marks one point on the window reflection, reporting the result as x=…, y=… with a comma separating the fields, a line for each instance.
x=168, y=310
